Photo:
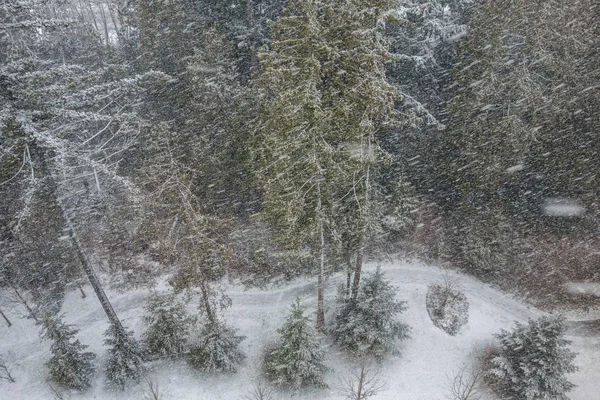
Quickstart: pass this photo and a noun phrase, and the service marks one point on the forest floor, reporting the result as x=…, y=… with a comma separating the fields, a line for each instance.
x=421, y=372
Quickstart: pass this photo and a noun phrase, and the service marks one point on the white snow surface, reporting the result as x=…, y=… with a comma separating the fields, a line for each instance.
x=421, y=372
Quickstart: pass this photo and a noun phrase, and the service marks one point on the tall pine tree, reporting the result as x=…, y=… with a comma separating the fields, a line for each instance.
x=325, y=97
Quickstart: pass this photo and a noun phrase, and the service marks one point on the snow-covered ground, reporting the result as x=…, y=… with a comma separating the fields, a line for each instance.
x=421, y=372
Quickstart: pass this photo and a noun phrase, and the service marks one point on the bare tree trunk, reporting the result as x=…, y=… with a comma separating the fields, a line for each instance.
x=83, y=295
x=348, y=280
x=253, y=67
x=364, y=221
x=89, y=4
x=83, y=259
x=104, y=23
x=361, y=381
x=113, y=18
x=357, y=269
x=6, y=319
x=320, y=306
x=205, y=299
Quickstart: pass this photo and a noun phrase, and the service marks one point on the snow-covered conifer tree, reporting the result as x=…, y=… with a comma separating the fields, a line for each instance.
x=124, y=356
x=298, y=359
x=168, y=324
x=70, y=366
x=367, y=325
x=217, y=349
x=532, y=360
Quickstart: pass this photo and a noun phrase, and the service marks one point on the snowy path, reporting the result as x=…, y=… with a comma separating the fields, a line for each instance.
x=419, y=373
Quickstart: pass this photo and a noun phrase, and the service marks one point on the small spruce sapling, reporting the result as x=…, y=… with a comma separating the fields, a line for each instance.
x=70, y=366
x=532, y=360
x=125, y=356
x=168, y=324
x=298, y=360
x=366, y=325
x=216, y=349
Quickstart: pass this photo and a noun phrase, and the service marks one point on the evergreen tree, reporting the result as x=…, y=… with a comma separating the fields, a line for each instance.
x=70, y=366
x=216, y=349
x=293, y=145
x=168, y=324
x=325, y=97
x=532, y=360
x=366, y=324
x=298, y=359
x=70, y=116
x=523, y=124
x=125, y=356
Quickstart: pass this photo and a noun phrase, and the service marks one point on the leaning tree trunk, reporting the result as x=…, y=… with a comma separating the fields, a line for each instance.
x=206, y=300
x=6, y=319
x=83, y=259
x=24, y=302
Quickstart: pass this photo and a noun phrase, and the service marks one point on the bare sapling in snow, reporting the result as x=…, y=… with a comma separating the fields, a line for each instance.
x=5, y=373
x=465, y=383
x=260, y=391
x=57, y=394
x=152, y=391
x=363, y=382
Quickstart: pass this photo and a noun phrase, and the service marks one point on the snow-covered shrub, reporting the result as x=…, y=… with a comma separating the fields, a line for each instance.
x=531, y=361
x=70, y=366
x=216, y=349
x=448, y=308
x=297, y=361
x=168, y=324
x=125, y=356
x=366, y=325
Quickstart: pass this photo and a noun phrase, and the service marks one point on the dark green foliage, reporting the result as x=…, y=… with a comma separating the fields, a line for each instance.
x=519, y=133
x=366, y=325
x=70, y=366
x=168, y=324
x=216, y=349
x=298, y=359
x=532, y=360
x=124, y=361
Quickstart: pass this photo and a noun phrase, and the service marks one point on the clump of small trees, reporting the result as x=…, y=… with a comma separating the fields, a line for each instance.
x=366, y=323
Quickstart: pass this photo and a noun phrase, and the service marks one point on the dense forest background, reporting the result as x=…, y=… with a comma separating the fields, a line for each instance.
x=261, y=140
